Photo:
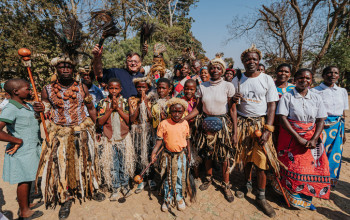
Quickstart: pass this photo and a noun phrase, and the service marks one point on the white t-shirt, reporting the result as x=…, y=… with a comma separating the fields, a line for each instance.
x=299, y=108
x=215, y=96
x=257, y=92
x=335, y=99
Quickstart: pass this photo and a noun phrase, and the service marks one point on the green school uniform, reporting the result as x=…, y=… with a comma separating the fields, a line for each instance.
x=21, y=123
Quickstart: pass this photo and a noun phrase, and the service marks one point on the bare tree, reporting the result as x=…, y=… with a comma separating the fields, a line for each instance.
x=293, y=27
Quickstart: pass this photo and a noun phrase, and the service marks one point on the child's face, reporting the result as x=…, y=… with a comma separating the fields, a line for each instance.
x=229, y=76
x=176, y=112
x=185, y=70
x=114, y=89
x=190, y=90
x=163, y=90
x=24, y=92
x=141, y=87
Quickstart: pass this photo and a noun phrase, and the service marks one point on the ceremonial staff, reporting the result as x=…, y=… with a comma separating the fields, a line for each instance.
x=25, y=54
x=138, y=178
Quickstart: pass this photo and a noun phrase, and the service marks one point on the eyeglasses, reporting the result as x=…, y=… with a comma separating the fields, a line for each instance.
x=132, y=61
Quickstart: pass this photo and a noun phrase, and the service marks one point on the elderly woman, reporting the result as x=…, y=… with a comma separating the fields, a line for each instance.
x=305, y=173
x=335, y=100
x=283, y=73
x=214, y=137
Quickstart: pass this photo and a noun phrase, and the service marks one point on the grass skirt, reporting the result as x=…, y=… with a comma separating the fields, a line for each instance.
x=68, y=166
x=217, y=146
x=248, y=147
x=107, y=150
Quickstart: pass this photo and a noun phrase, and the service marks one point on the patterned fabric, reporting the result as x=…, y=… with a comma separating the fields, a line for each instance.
x=333, y=134
x=115, y=125
x=307, y=169
x=281, y=91
x=67, y=112
x=192, y=103
x=212, y=124
x=157, y=108
x=296, y=200
x=179, y=87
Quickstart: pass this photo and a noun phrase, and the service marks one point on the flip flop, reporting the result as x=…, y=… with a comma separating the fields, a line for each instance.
x=35, y=215
x=37, y=205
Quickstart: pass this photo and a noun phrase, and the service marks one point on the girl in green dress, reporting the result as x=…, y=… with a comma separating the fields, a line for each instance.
x=24, y=147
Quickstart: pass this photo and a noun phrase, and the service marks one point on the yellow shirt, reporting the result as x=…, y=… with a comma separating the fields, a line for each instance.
x=175, y=135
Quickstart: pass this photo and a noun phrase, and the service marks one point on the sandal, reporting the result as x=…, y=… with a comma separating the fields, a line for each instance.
x=99, y=197
x=140, y=188
x=227, y=192
x=65, y=210
x=35, y=206
x=206, y=183
x=36, y=214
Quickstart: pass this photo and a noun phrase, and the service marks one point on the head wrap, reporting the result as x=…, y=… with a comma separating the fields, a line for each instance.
x=174, y=101
x=252, y=49
x=218, y=60
x=230, y=68
x=142, y=79
x=203, y=68
x=62, y=59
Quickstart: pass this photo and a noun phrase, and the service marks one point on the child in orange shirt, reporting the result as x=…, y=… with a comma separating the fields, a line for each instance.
x=174, y=132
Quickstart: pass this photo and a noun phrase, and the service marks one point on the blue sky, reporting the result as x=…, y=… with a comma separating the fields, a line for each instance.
x=211, y=18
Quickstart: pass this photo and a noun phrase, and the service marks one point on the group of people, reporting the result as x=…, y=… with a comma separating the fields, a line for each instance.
x=193, y=117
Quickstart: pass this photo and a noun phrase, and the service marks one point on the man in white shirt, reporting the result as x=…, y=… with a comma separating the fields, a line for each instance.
x=256, y=96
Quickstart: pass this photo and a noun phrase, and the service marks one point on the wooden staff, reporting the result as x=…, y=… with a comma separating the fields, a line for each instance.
x=25, y=54
x=138, y=178
x=278, y=181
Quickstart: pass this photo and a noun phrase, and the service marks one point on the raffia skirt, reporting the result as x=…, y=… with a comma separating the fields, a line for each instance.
x=68, y=166
x=106, y=158
x=249, y=150
x=217, y=146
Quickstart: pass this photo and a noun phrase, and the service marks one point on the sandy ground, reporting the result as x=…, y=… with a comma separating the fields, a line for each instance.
x=210, y=203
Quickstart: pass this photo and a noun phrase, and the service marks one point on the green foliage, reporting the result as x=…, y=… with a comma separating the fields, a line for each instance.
x=30, y=24
x=339, y=55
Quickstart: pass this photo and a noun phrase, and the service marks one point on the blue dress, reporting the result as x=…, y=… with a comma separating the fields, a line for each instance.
x=21, y=123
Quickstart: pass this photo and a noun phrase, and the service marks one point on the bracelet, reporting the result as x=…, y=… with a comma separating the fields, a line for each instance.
x=270, y=128
x=88, y=99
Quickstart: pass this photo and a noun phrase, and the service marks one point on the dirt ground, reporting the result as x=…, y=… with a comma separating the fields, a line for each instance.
x=210, y=203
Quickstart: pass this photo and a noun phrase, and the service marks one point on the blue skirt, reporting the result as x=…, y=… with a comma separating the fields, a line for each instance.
x=333, y=134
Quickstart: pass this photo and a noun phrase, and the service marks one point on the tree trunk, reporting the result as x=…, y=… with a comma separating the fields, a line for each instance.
x=170, y=14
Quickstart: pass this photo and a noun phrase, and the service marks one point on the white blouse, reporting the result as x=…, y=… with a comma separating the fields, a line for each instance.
x=299, y=108
x=335, y=99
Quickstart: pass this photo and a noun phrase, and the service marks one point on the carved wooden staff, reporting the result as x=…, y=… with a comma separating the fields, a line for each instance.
x=139, y=178
x=25, y=54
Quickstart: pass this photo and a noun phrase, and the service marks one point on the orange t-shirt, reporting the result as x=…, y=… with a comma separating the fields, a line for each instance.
x=175, y=135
